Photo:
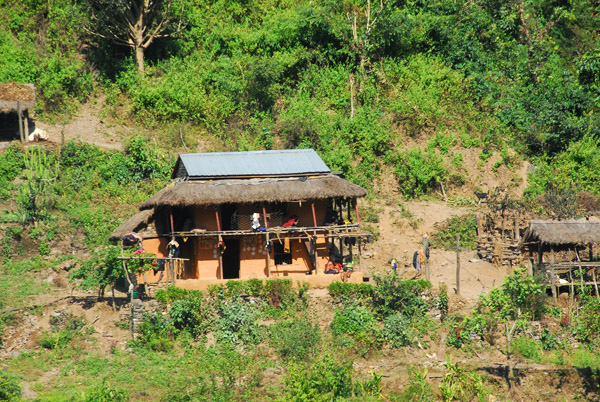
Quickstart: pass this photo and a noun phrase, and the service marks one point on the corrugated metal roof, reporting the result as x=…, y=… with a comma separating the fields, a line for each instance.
x=250, y=163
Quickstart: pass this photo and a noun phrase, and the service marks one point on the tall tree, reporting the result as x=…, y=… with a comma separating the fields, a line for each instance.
x=134, y=23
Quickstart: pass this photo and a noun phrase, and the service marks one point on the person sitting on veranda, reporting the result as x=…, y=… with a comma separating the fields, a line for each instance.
x=292, y=222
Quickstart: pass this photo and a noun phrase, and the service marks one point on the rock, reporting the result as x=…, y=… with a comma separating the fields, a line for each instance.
x=492, y=398
x=474, y=260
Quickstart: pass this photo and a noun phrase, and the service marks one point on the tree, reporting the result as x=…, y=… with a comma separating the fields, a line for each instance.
x=134, y=23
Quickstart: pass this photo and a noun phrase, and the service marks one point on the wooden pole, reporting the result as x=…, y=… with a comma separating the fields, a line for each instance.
x=553, y=279
x=268, y=257
x=265, y=218
x=171, y=218
x=595, y=282
x=356, y=209
x=26, y=125
x=572, y=295
x=458, y=264
x=348, y=210
x=426, y=251
x=20, y=113
x=314, y=214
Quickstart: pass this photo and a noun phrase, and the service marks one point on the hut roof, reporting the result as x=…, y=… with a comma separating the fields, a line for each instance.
x=285, y=162
x=11, y=92
x=563, y=232
x=186, y=193
x=133, y=224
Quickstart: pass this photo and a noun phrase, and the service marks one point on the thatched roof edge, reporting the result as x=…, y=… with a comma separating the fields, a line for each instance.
x=132, y=224
x=187, y=193
x=562, y=232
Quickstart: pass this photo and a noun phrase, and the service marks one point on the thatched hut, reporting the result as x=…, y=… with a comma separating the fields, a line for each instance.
x=233, y=216
x=16, y=100
x=561, y=249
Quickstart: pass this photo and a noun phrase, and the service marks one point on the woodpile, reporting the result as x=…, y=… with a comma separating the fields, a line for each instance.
x=498, y=238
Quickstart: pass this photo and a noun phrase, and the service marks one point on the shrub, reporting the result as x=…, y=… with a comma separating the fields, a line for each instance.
x=465, y=226
x=296, y=339
x=156, y=332
x=191, y=314
x=352, y=320
x=528, y=348
x=392, y=295
x=345, y=291
x=10, y=390
x=326, y=379
x=587, y=323
x=173, y=293
x=460, y=385
x=356, y=327
x=237, y=324
x=279, y=293
x=105, y=393
x=461, y=332
x=519, y=294
x=396, y=331
x=419, y=172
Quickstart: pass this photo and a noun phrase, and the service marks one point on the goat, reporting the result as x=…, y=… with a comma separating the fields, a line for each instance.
x=481, y=196
x=38, y=135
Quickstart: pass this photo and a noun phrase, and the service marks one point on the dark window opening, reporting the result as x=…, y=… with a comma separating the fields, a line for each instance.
x=281, y=257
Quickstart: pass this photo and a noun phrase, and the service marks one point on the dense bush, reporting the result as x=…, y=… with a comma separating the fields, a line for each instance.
x=192, y=314
x=587, y=323
x=397, y=331
x=393, y=295
x=297, y=339
x=156, y=332
x=105, y=393
x=238, y=323
x=345, y=291
x=419, y=172
x=10, y=389
x=325, y=379
x=465, y=226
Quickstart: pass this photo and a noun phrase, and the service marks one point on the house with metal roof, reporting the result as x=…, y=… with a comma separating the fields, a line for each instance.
x=245, y=215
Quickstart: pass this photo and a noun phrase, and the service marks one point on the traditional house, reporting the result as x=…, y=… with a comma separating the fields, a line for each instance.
x=247, y=215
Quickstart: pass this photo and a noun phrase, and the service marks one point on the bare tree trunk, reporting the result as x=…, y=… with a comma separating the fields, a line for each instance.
x=139, y=58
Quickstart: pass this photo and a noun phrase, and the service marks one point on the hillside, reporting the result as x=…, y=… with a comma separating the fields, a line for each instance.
x=421, y=103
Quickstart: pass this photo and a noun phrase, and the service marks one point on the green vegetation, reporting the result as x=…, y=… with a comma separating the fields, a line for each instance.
x=420, y=90
x=346, y=78
x=464, y=226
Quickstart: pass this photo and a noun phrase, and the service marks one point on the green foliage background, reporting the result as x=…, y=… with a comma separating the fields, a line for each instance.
x=356, y=83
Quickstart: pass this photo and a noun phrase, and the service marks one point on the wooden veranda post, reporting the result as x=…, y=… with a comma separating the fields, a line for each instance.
x=268, y=256
x=314, y=214
x=218, y=245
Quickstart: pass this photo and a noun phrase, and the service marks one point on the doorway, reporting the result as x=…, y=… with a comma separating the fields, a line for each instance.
x=231, y=259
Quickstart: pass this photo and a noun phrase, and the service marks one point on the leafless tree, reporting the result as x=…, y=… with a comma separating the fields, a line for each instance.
x=134, y=23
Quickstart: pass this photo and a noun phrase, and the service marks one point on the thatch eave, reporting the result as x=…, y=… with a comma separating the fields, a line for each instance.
x=133, y=224
x=557, y=233
x=215, y=192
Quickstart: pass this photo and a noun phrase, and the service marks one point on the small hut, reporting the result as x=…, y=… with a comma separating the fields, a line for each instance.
x=16, y=100
x=563, y=250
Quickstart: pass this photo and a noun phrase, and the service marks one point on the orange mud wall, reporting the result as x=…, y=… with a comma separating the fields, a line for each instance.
x=157, y=247
x=204, y=253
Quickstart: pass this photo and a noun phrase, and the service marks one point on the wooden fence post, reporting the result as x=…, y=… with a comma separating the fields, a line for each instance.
x=458, y=264
x=426, y=252
x=20, y=113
